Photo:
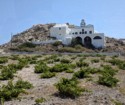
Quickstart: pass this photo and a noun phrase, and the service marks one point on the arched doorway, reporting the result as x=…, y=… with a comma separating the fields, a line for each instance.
x=78, y=40
x=88, y=41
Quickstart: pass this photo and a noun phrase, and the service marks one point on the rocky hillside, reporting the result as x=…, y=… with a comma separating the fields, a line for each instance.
x=35, y=33
x=40, y=32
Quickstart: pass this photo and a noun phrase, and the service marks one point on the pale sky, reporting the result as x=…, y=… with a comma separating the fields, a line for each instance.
x=108, y=16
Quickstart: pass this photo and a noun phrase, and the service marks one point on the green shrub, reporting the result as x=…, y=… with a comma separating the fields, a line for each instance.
x=69, y=71
x=108, y=70
x=47, y=74
x=57, y=43
x=78, y=46
x=59, y=67
x=1, y=66
x=23, y=84
x=72, y=66
x=83, y=73
x=9, y=91
x=108, y=80
x=118, y=62
x=103, y=58
x=82, y=64
x=41, y=67
x=95, y=60
x=92, y=70
x=40, y=100
x=3, y=60
x=14, y=57
x=116, y=102
x=7, y=73
x=114, y=56
x=115, y=61
x=27, y=44
x=65, y=61
x=69, y=49
x=69, y=87
x=122, y=66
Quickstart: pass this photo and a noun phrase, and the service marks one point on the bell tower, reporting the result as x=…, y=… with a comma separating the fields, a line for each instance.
x=82, y=24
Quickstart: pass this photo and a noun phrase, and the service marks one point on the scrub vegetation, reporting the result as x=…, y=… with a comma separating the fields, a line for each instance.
x=58, y=76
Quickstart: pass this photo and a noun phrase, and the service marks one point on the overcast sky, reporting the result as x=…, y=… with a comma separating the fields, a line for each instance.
x=107, y=16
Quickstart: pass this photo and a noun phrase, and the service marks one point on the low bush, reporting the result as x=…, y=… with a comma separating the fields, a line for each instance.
x=122, y=66
x=108, y=70
x=69, y=71
x=115, y=61
x=115, y=56
x=14, y=57
x=78, y=46
x=47, y=74
x=83, y=73
x=59, y=67
x=69, y=49
x=116, y=102
x=27, y=44
x=72, y=66
x=1, y=66
x=95, y=60
x=82, y=64
x=41, y=67
x=108, y=80
x=65, y=61
x=103, y=58
x=23, y=84
x=40, y=100
x=3, y=60
x=118, y=62
x=9, y=91
x=57, y=43
x=92, y=70
x=69, y=87
x=7, y=73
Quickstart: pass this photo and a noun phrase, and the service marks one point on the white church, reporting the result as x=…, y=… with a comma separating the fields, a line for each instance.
x=84, y=34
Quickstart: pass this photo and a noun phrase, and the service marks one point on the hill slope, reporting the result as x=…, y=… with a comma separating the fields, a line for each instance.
x=40, y=32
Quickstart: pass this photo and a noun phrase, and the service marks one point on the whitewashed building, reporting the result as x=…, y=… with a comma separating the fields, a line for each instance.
x=84, y=34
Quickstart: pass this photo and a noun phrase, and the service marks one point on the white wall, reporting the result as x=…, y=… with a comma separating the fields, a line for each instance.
x=59, y=30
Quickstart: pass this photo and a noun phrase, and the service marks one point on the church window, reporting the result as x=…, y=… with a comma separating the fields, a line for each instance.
x=97, y=37
x=85, y=32
x=59, y=28
x=80, y=32
x=90, y=32
x=76, y=33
